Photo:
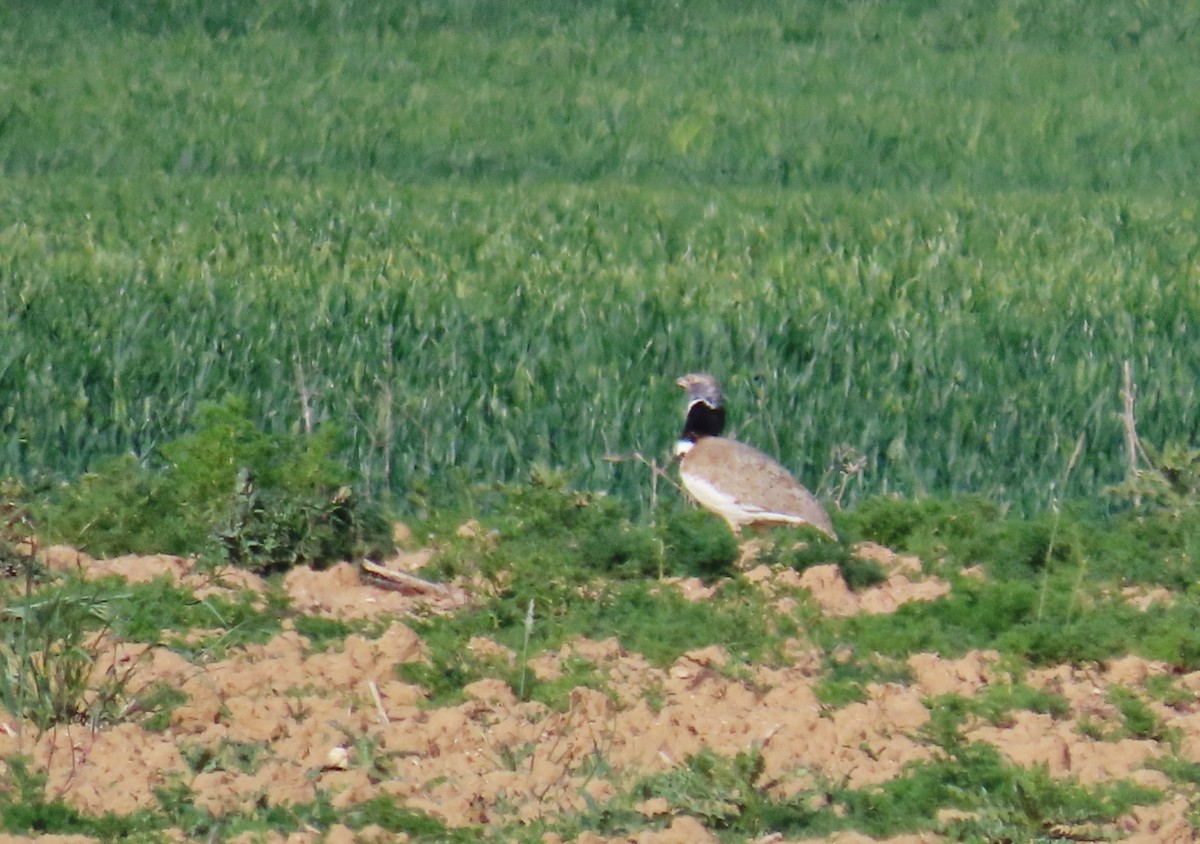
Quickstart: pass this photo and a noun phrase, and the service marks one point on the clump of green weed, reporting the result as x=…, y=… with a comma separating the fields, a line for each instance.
x=546, y=525
x=547, y=517
x=1150, y=546
x=1166, y=689
x=803, y=548
x=972, y=615
x=322, y=631
x=161, y=612
x=159, y=700
x=728, y=794
x=697, y=544
x=1179, y=770
x=918, y=525
x=49, y=646
x=1004, y=802
x=1001, y=801
x=122, y=506
x=847, y=676
x=52, y=641
x=259, y=501
x=25, y=810
x=1045, y=623
x=1016, y=548
x=993, y=703
x=1168, y=480
x=655, y=621
x=453, y=666
x=575, y=673
x=996, y=701
x=1154, y=542
x=227, y=755
x=387, y=813
x=179, y=810
x=16, y=531
x=1139, y=721
x=1158, y=540
x=967, y=530
x=240, y=620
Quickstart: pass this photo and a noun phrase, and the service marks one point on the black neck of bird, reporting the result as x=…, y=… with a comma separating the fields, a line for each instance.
x=703, y=420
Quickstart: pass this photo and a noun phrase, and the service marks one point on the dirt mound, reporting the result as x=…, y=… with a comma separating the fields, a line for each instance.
x=275, y=723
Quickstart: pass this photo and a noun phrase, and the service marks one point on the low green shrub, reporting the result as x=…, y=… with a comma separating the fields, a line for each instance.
x=1155, y=541
x=696, y=543
x=1000, y=801
x=574, y=537
x=253, y=499
x=847, y=675
x=803, y=548
x=386, y=812
x=918, y=524
x=1169, y=480
x=727, y=794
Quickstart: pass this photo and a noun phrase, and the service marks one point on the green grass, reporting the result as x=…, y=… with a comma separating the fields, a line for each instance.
x=927, y=233
x=1000, y=802
x=786, y=94
x=238, y=756
x=1011, y=803
x=482, y=346
x=1011, y=616
x=848, y=674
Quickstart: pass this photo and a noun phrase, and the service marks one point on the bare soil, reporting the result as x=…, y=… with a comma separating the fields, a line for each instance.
x=339, y=721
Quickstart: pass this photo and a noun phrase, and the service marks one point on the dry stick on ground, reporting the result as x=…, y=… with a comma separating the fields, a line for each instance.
x=854, y=463
x=305, y=395
x=1062, y=482
x=568, y=758
x=1135, y=454
x=553, y=724
x=383, y=716
x=656, y=472
x=398, y=581
x=389, y=431
x=607, y=736
x=386, y=405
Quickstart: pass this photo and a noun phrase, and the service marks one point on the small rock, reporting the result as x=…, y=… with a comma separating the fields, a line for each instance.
x=337, y=759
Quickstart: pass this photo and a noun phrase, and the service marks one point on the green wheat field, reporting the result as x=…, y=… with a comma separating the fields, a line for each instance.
x=478, y=236
x=434, y=249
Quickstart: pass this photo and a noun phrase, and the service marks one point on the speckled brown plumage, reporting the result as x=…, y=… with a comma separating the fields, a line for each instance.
x=734, y=480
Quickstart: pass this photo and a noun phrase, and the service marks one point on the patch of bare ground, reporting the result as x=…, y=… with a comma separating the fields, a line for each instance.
x=1145, y=597
x=339, y=722
x=686, y=830
x=904, y=583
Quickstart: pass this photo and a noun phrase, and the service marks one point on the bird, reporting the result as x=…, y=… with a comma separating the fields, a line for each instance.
x=736, y=481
